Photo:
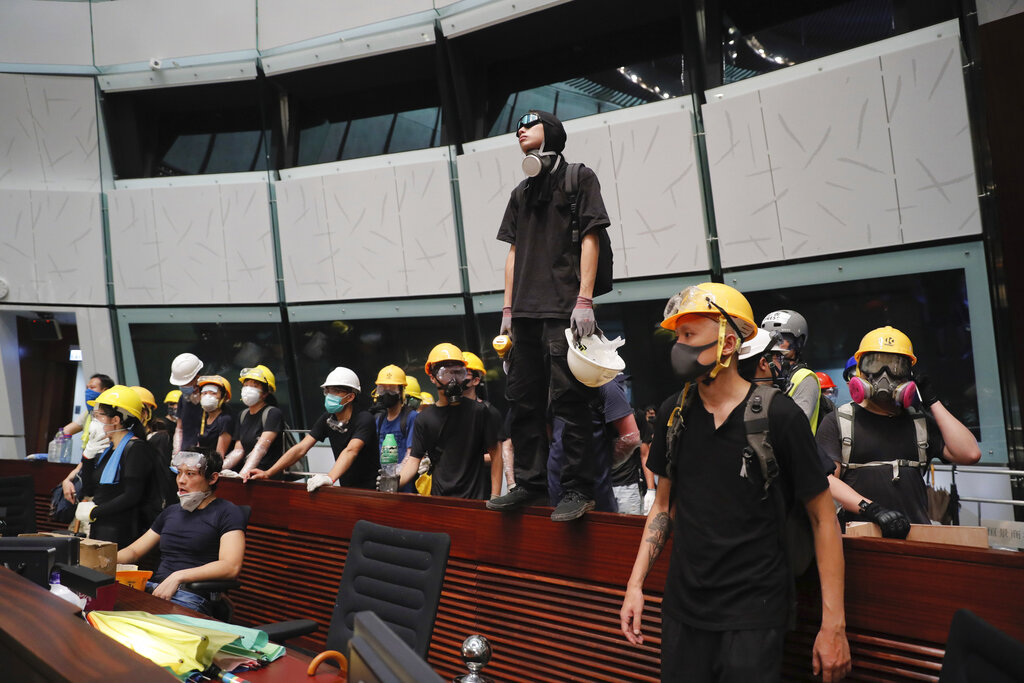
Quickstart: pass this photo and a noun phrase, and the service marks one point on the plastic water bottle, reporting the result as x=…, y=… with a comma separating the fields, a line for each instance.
x=64, y=447
x=52, y=451
x=389, y=464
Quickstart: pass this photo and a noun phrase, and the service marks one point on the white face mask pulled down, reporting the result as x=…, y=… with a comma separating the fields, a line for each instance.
x=191, y=501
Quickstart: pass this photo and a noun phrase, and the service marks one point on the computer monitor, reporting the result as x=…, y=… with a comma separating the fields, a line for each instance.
x=32, y=562
x=66, y=547
x=377, y=655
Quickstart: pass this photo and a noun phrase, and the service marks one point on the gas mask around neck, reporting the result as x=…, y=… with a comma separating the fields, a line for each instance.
x=537, y=162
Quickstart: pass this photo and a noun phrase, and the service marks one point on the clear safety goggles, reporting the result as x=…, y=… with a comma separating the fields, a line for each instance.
x=694, y=299
x=389, y=388
x=452, y=373
x=253, y=373
x=897, y=365
x=528, y=120
x=189, y=460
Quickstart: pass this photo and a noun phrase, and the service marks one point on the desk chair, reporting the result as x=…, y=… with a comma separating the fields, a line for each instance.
x=220, y=603
x=395, y=573
x=18, y=505
x=978, y=652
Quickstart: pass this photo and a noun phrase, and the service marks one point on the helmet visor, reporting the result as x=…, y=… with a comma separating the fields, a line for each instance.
x=895, y=364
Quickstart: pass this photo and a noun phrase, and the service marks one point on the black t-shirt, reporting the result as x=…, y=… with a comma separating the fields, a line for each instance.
x=250, y=427
x=728, y=570
x=879, y=438
x=189, y=416
x=545, y=284
x=456, y=438
x=362, y=474
x=222, y=424
x=192, y=539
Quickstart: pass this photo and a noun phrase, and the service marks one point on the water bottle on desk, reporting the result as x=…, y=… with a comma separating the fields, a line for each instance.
x=53, y=449
x=389, y=464
x=63, y=447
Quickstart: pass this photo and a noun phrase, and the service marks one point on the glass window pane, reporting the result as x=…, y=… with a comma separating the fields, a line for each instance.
x=237, y=151
x=187, y=153
x=367, y=137
x=414, y=130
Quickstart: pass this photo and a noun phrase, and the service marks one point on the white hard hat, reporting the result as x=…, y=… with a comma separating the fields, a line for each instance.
x=594, y=360
x=342, y=377
x=184, y=368
x=758, y=345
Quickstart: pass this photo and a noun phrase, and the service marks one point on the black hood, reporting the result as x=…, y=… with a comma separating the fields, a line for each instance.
x=554, y=132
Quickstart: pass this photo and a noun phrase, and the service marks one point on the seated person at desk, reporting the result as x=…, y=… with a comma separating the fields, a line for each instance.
x=200, y=539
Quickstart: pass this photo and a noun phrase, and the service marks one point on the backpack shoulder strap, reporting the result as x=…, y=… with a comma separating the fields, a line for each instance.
x=921, y=434
x=676, y=425
x=572, y=190
x=844, y=414
x=755, y=421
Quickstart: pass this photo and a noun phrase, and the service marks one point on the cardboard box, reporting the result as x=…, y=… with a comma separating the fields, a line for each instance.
x=971, y=536
x=98, y=555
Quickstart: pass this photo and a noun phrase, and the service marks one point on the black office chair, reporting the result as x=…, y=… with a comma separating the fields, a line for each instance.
x=978, y=652
x=220, y=604
x=17, y=505
x=395, y=573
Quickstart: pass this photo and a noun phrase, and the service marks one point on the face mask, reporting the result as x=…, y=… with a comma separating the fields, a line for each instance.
x=91, y=395
x=188, y=390
x=453, y=391
x=334, y=404
x=191, y=501
x=251, y=396
x=388, y=399
x=209, y=402
x=684, y=361
x=172, y=411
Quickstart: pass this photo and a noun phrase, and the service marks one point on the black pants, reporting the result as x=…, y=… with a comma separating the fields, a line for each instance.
x=539, y=377
x=698, y=656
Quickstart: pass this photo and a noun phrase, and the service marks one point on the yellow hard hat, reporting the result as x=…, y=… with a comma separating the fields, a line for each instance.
x=260, y=373
x=426, y=399
x=412, y=386
x=886, y=340
x=120, y=396
x=391, y=374
x=711, y=299
x=146, y=395
x=443, y=352
x=473, y=362
x=173, y=396
x=219, y=381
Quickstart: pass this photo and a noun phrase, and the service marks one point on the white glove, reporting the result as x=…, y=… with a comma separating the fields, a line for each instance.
x=648, y=500
x=83, y=511
x=230, y=474
x=318, y=480
x=97, y=443
x=424, y=465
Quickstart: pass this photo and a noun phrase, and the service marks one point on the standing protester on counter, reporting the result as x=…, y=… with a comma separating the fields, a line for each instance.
x=553, y=224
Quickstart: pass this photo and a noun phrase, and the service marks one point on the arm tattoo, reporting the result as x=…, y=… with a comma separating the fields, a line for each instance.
x=661, y=528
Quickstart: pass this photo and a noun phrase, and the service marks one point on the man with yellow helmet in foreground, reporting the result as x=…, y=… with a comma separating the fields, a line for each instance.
x=730, y=588
x=882, y=442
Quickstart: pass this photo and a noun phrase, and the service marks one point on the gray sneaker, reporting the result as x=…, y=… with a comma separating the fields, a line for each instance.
x=518, y=497
x=572, y=506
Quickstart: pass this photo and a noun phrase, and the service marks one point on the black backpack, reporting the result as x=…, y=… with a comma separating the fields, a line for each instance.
x=287, y=438
x=603, y=277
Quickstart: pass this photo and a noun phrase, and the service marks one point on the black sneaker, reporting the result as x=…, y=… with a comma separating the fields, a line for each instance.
x=572, y=506
x=517, y=497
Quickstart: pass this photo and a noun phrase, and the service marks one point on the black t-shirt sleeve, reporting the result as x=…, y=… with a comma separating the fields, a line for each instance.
x=492, y=425
x=657, y=458
x=161, y=519
x=827, y=437
x=796, y=449
x=365, y=429
x=320, y=430
x=275, y=420
x=592, y=212
x=507, y=230
x=936, y=444
x=420, y=433
x=616, y=406
x=231, y=519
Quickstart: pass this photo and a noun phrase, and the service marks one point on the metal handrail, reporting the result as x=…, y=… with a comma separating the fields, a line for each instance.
x=976, y=469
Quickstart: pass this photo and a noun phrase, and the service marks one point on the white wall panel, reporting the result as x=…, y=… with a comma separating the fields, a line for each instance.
x=428, y=228
x=191, y=243
x=993, y=10
x=130, y=31
x=282, y=22
x=488, y=172
x=744, y=196
x=68, y=235
x=20, y=165
x=45, y=32
x=248, y=245
x=17, y=248
x=305, y=240
x=365, y=234
x=659, y=199
x=830, y=153
x=137, y=265
x=931, y=141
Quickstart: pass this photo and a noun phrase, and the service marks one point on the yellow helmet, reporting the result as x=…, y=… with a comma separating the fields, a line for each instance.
x=886, y=340
x=473, y=362
x=173, y=396
x=443, y=352
x=426, y=399
x=391, y=374
x=146, y=395
x=122, y=397
x=412, y=387
x=219, y=381
x=711, y=299
x=260, y=373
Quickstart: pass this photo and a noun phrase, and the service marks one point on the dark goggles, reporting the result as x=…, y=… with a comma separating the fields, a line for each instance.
x=897, y=365
x=528, y=121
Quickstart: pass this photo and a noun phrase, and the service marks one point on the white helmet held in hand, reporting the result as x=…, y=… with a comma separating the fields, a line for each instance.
x=594, y=360
x=184, y=368
x=342, y=377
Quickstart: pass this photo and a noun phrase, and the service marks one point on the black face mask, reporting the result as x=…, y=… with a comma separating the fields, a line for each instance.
x=685, y=363
x=388, y=399
x=453, y=391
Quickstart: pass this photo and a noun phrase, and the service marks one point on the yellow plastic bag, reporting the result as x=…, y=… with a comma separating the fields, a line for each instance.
x=424, y=483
